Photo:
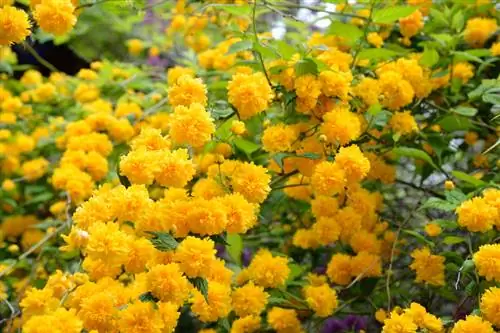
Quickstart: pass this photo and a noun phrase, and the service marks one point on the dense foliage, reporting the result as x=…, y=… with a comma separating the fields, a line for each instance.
x=250, y=166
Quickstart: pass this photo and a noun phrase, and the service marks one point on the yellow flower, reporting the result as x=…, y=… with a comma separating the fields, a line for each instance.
x=326, y=231
x=328, y=179
x=140, y=317
x=433, y=229
x=241, y=214
x=478, y=30
x=411, y=24
x=86, y=93
x=238, y=127
x=191, y=125
x=34, y=169
x=124, y=109
x=403, y=123
x=284, y=320
x=473, y=324
x=396, y=91
x=249, y=300
x=250, y=94
x=463, y=71
x=176, y=72
x=429, y=267
x=194, y=255
x=487, y=261
x=477, y=215
x=355, y=165
x=218, y=305
x=38, y=301
x=340, y=126
x=135, y=46
x=375, y=39
x=168, y=283
x=398, y=323
x=8, y=185
x=495, y=49
x=186, y=91
x=380, y=315
x=322, y=299
x=170, y=315
x=14, y=25
x=55, y=16
x=175, y=169
x=268, y=271
x=339, y=269
x=279, y=138
x=490, y=305
x=308, y=86
x=248, y=324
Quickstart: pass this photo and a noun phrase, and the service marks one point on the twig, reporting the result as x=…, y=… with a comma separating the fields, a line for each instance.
x=261, y=60
x=39, y=58
x=434, y=193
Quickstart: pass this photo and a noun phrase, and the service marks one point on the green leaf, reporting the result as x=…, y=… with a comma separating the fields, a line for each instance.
x=439, y=204
x=279, y=157
x=492, y=98
x=452, y=240
x=306, y=66
x=455, y=196
x=43, y=197
x=248, y=147
x=202, y=285
x=375, y=54
x=446, y=224
x=468, y=178
x=242, y=45
x=295, y=271
x=429, y=57
x=266, y=51
x=465, y=111
x=219, y=239
x=349, y=32
x=392, y=14
x=244, y=10
x=374, y=109
x=452, y=123
x=235, y=247
x=415, y=153
x=464, y=56
x=419, y=237
x=458, y=21
x=163, y=241
x=148, y=297
x=285, y=50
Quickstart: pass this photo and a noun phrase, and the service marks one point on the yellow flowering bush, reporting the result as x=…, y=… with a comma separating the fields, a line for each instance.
x=217, y=166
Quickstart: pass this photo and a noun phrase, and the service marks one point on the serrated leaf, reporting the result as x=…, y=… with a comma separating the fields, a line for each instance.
x=465, y=111
x=202, y=285
x=421, y=238
x=452, y=123
x=235, y=247
x=295, y=271
x=349, y=32
x=455, y=196
x=492, y=98
x=436, y=203
x=391, y=14
x=429, y=57
x=306, y=66
x=286, y=50
x=414, y=153
x=163, y=241
x=461, y=56
x=452, y=240
x=248, y=147
x=458, y=21
x=447, y=224
x=43, y=197
x=468, y=178
x=242, y=45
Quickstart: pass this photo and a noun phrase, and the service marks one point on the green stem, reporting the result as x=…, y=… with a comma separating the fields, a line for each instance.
x=41, y=60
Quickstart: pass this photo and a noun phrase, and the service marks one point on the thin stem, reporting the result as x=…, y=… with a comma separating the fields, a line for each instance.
x=261, y=60
x=39, y=58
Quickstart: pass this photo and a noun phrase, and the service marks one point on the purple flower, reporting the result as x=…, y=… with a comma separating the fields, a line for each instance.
x=246, y=257
x=333, y=325
x=356, y=323
x=221, y=250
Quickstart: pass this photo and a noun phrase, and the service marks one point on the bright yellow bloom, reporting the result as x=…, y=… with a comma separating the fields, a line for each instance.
x=472, y=324
x=355, y=165
x=340, y=126
x=478, y=30
x=55, y=16
x=339, y=269
x=249, y=300
x=429, y=267
x=463, y=71
x=248, y=324
x=140, y=317
x=14, y=25
x=191, y=125
x=194, y=255
x=328, y=179
x=268, y=271
x=168, y=283
x=403, y=123
x=186, y=91
x=477, y=215
x=398, y=323
x=34, y=169
x=250, y=94
x=322, y=299
x=433, y=229
x=218, y=305
x=284, y=320
x=490, y=305
x=375, y=39
x=487, y=261
x=279, y=138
